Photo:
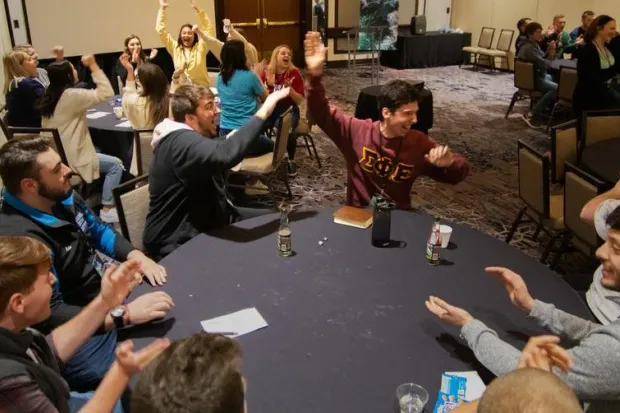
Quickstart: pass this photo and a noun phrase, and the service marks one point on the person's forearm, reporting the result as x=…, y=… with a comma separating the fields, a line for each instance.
x=70, y=336
x=204, y=22
x=130, y=75
x=297, y=98
x=587, y=213
x=109, y=391
x=495, y=354
x=558, y=322
x=332, y=121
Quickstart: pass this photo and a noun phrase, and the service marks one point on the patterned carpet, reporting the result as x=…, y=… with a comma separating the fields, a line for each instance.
x=469, y=109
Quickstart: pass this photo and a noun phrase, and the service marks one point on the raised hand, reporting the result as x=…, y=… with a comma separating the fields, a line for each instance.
x=259, y=68
x=117, y=282
x=196, y=28
x=452, y=315
x=315, y=51
x=193, y=4
x=132, y=363
x=163, y=3
x=88, y=60
x=515, y=286
x=272, y=100
x=544, y=352
x=440, y=156
x=149, y=307
x=58, y=52
x=271, y=78
x=135, y=55
x=124, y=59
x=226, y=23
x=153, y=54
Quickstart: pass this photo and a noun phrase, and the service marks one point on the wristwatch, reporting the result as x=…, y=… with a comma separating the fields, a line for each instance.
x=118, y=316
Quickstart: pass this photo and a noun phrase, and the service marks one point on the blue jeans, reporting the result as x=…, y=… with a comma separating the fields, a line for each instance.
x=260, y=146
x=112, y=168
x=291, y=146
x=550, y=95
x=86, y=368
x=79, y=400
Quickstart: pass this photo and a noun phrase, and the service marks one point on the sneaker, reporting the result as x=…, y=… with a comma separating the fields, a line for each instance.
x=110, y=216
x=532, y=121
x=292, y=168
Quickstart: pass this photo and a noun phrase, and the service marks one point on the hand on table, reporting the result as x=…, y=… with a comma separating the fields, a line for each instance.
x=149, y=306
x=544, y=352
x=155, y=273
x=315, y=52
x=440, y=156
x=132, y=362
x=117, y=282
x=452, y=315
x=515, y=286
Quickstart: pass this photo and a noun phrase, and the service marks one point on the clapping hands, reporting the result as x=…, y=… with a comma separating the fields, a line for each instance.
x=440, y=156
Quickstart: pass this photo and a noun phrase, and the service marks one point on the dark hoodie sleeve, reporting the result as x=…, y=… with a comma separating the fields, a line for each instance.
x=202, y=157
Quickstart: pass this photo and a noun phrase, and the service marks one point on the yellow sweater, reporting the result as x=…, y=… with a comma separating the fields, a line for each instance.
x=215, y=45
x=196, y=57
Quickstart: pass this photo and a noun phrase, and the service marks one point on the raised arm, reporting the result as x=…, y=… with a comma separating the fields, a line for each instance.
x=161, y=27
x=203, y=20
x=442, y=165
x=82, y=99
x=212, y=43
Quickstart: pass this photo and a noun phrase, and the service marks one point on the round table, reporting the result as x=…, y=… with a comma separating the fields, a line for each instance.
x=109, y=138
x=368, y=107
x=601, y=160
x=558, y=64
x=347, y=321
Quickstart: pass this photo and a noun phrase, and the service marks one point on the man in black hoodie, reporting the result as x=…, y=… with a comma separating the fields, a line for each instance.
x=187, y=194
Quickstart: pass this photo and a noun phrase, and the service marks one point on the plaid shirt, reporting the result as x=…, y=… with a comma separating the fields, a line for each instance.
x=22, y=394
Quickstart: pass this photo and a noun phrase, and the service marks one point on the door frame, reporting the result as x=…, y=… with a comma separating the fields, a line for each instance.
x=305, y=24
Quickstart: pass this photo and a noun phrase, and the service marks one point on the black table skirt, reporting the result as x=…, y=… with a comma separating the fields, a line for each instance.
x=367, y=107
x=556, y=65
x=429, y=50
x=110, y=139
x=347, y=321
x=601, y=160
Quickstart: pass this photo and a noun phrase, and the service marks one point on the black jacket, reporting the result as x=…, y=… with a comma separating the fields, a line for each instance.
x=73, y=234
x=186, y=188
x=592, y=91
x=14, y=361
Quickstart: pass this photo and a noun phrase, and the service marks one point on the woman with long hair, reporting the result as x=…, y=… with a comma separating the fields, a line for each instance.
x=188, y=49
x=239, y=90
x=22, y=88
x=64, y=107
x=281, y=73
x=596, y=67
x=147, y=108
x=137, y=57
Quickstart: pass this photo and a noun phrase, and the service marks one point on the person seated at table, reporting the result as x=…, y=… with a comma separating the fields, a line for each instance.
x=64, y=107
x=595, y=373
x=531, y=52
x=188, y=49
x=38, y=202
x=41, y=73
x=22, y=89
x=137, y=57
x=557, y=37
x=215, y=45
x=186, y=183
x=31, y=363
x=522, y=37
x=384, y=156
x=239, y=90
x=281, y=73
x=532, y=387
x=596, y=68
x=149, y=106
x=200, y=373
x=578, y=33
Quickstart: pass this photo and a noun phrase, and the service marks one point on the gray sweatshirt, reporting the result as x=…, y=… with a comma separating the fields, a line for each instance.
x=595, y=375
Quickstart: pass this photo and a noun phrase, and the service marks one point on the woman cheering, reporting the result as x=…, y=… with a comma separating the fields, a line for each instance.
x=188, y=49
x=137, y=57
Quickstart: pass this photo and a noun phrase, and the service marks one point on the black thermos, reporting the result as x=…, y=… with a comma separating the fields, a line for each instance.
x=381, y=221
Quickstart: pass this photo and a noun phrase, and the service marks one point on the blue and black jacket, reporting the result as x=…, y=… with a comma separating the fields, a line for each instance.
x=73, y=233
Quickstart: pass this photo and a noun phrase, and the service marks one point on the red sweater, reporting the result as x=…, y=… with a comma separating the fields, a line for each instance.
x=370, y=157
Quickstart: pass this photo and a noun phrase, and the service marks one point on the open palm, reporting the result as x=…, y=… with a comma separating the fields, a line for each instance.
x=315, y=53
x=515, y=287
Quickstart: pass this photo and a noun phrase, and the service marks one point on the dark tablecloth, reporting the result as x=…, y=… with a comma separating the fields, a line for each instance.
x=601, y=160
x=347, y=321
x=556, y=65
x=367, y=106
x=429, y=50
x=109, y=138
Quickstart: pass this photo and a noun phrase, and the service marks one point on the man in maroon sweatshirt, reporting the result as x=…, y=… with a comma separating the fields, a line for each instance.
x=384, y=156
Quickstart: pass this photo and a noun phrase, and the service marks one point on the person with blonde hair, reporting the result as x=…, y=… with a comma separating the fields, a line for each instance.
x=188, y=49
x=22, y=88
x=281, y=73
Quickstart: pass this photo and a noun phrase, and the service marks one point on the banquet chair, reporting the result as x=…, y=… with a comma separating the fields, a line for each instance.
x=525, y=82
x=563, y=148
x=540, y=208
x=599, y=125
x=271, y=166
x=502, y=49
x=566, y=86
x=132, y=204
x=484, y=43
x=303, y=130
x=143, y=151
x=579, y=189
x=4, y=124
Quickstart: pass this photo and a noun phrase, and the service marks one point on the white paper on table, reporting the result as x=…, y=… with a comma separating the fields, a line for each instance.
x=235, y=324
x=475, y=386
x=90, y=110
x=97, y=115
x=125, y=124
